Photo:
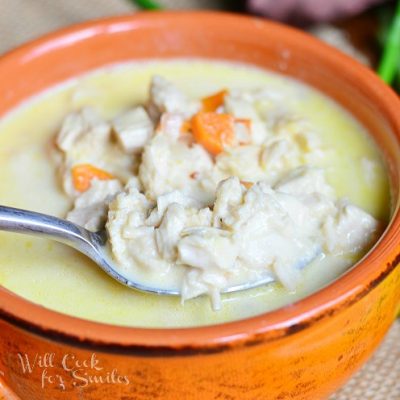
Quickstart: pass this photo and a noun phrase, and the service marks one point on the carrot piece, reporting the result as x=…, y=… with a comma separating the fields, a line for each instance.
x=213, y=131
x=83, y=174
x=247, y=184
x=211, y=103
x=186, y=126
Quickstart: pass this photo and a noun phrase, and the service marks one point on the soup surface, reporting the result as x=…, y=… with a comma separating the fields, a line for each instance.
x=57, y=277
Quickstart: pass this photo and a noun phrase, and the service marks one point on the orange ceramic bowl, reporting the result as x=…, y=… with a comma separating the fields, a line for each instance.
x=302, y=351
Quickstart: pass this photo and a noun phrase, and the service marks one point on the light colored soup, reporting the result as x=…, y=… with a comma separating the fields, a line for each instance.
x=59, y=278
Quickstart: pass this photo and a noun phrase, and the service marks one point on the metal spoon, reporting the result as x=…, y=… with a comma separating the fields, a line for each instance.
x=93, y=245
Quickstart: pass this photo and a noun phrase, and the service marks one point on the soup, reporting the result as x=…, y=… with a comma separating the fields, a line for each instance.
x=59, y=278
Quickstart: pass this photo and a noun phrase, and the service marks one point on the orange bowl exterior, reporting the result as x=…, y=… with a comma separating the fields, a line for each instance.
x=302, y=351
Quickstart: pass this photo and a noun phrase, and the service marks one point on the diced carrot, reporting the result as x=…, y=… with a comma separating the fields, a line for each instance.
x=211, y=103
x=247, y=184
x=83, y=174
x=213, y=131
x=186, y=126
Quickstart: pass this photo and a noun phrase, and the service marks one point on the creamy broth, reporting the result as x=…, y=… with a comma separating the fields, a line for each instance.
x=59, y=278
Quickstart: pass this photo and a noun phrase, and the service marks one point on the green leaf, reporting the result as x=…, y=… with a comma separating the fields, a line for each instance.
x=390, y=61
x=147, y=4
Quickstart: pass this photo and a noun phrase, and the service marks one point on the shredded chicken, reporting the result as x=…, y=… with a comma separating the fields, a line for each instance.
x=202, y=220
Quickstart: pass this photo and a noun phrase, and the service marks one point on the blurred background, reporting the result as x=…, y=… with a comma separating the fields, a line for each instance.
x=368, y=30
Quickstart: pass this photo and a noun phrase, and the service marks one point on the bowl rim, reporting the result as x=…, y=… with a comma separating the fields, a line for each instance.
x=337, y=295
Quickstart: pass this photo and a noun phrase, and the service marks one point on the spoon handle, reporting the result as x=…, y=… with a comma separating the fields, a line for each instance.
x=33, y=223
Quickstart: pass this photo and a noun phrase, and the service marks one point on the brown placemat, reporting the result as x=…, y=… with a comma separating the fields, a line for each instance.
x=22, y=20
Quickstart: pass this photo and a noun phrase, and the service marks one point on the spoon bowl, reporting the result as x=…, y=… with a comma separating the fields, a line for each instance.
x=95, y=246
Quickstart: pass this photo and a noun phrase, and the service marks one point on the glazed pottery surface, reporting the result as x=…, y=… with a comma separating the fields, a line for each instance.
x=304, y=351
